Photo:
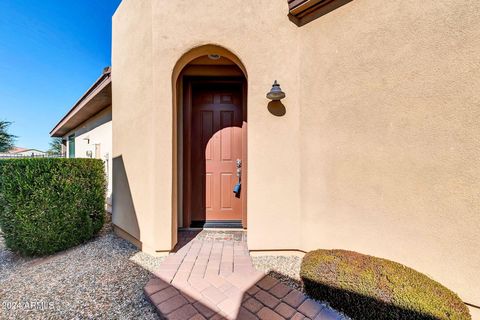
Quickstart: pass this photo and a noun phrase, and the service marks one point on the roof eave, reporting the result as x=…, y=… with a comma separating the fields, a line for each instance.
x=305, y=11
x=101, y=86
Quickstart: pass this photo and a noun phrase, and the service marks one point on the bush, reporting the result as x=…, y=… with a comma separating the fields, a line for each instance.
x=48, y=205
x=366, y=287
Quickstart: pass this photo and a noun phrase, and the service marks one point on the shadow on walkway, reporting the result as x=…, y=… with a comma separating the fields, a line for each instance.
x=211, y=276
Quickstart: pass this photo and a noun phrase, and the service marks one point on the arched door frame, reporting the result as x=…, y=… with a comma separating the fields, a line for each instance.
x=180, y=98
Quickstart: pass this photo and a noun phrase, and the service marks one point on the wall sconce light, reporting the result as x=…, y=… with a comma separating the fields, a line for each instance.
x=276, y=92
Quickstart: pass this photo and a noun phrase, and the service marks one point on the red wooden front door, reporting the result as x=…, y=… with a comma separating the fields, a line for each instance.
x=216, y=147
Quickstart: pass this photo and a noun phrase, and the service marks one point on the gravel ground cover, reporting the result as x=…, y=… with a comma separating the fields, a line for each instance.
x=101, y=279
x=284, y=268
x=8, y=260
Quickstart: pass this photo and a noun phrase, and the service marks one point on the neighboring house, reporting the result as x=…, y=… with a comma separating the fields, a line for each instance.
x=86, y=129
x=22, y=153
x=374, y=149
x=28, y=152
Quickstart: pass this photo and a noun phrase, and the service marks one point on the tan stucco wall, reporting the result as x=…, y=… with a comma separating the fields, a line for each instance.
x=148, y=40
x=133, y=128
x=377, y=152
x=390, y=132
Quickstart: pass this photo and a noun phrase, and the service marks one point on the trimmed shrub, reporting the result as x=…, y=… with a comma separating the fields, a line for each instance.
x=366, y=287
x=48, y=205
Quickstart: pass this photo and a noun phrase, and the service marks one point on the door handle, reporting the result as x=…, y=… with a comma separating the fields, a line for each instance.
x=238, y=185
x=238, y=163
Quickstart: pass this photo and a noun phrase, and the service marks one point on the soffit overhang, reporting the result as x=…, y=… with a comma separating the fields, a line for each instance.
x=95, y=99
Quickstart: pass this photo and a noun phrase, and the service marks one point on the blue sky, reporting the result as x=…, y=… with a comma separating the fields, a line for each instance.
x=51, y=52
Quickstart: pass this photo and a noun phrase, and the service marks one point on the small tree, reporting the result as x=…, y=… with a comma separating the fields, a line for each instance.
x=55, y=146
x=6, y=139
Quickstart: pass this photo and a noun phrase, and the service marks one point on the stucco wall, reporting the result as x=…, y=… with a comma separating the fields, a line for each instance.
x=96, y=131
x=390, y=135
x=148, y=40
x=377, y=152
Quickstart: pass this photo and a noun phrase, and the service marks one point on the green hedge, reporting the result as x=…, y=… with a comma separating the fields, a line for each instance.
x=366, y=287
x=48, y=205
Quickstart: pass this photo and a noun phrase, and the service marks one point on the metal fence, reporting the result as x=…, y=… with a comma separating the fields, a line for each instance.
x=25, y=156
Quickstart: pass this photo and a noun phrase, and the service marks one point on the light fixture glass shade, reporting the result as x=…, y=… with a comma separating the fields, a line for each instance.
x=276, y=92
x=214, y=56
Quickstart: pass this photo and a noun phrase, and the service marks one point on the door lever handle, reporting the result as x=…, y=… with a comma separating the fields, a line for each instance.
x=238, y=185
x=239, y=168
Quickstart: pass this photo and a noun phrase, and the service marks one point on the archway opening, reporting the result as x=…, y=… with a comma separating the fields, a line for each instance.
x=210, y=144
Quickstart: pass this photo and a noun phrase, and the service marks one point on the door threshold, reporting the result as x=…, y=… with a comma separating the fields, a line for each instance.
x=213, y=229
x=216, y=224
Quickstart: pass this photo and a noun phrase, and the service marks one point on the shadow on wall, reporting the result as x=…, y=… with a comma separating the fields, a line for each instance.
x=277, y=108
x=124, y=216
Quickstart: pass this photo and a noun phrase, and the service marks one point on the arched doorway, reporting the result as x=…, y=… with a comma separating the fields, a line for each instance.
x=210, y=99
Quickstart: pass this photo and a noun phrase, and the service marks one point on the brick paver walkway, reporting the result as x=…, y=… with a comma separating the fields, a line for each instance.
x=213, y=277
